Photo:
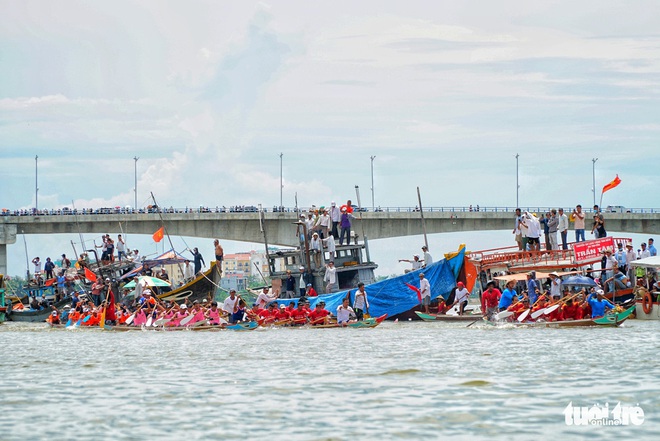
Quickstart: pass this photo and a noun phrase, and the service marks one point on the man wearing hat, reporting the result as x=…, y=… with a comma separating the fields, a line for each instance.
x=555, y=284
x=599, y=304
x=416, y=263
x=461, y=297
x=507, y=295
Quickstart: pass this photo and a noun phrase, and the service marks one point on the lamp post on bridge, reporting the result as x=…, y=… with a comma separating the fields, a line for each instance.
x=281, y=181
x=135, y=158
x=593, y=170
x=517, y=185
x=373, y=203
x=36, y=183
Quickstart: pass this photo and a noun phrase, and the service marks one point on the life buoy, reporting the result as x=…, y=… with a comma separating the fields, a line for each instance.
x=647, y=303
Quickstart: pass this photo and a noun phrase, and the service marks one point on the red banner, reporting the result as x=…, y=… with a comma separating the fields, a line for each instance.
x=590, y=250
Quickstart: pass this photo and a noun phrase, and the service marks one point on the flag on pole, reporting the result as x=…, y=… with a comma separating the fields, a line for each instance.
x=616, y=181
x=158, y=235
x=89, y=275
x=414, y=288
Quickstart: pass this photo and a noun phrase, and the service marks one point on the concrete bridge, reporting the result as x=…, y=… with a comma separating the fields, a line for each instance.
x=279, y=226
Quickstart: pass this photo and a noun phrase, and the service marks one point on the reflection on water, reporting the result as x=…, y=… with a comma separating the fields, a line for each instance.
x=400, y=380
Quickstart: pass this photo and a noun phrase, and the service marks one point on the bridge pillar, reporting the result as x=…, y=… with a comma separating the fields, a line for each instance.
x=7, y=236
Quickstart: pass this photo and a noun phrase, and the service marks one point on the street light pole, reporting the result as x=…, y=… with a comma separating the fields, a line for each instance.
x=36, y=183
x=517, y=185
x=373, y=203
x=593, y=189
x=281, y=180
x=135, y=158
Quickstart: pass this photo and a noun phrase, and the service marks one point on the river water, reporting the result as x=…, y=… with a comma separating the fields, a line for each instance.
x=409, y=380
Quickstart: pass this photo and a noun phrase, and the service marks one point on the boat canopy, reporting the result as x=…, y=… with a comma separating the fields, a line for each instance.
x=648, y=262
x=392, y=296
x=523, y=276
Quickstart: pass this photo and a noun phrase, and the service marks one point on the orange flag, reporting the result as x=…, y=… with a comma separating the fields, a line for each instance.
x=158, y=235
x=616, y=181
x=89, y=275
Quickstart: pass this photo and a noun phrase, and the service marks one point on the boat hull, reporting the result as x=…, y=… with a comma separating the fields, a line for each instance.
x=610, y=320
x=448, y=318
x=641, y=315
x=200, y=288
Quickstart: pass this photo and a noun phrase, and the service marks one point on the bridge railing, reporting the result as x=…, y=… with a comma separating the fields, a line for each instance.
x=253, y=209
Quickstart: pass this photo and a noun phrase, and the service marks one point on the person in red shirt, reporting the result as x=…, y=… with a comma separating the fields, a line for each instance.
x=556, y=315
x=517, y=307
x=269, y=315
x=283, y=316
x=299, y=315
x=490, y=300
x=540, y=304
x=571, y=310
x=311, y=292
x=94, y=320
x=319, y=316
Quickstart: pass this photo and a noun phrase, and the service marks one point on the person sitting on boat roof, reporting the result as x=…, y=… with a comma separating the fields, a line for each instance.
x=507, y=295
x=416, y=263
x=490, y=299
x=344, y=312
x=599, y=304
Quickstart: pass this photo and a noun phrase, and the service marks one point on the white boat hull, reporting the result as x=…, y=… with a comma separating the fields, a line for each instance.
x=641, y=315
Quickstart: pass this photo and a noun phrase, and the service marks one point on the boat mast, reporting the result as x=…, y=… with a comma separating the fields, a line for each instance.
x=421, y=213
x=262, y=222
x=162, y=222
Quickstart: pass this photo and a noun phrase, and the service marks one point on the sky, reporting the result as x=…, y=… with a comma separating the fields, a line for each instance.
x=208, y=94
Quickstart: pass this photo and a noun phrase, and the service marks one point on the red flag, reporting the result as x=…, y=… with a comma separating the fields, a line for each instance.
x=49, y=282
x=616, y=181
x=158, y=235
x=110, y=313
x=414, y=288
x=89, y=275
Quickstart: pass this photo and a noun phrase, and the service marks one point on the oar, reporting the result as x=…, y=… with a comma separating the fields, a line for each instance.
x=184, y=321
x=502, y=315
x=553, y=307
x=524, y=315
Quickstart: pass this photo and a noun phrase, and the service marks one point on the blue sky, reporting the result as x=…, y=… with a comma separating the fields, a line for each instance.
x=208, y=94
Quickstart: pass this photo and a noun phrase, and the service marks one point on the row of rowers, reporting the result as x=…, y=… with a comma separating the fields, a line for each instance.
x=577, y=306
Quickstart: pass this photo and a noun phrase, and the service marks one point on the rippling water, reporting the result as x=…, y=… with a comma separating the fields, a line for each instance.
x=398, y=381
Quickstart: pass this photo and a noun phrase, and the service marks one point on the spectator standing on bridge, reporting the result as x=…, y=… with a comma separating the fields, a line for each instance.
x=428, y=260
x=533, y=232
x=198, y=259
x=562, y=227
x=578, y=217
x=553, y=223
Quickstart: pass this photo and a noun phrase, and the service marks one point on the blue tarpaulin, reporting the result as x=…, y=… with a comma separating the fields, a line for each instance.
x=392, y=296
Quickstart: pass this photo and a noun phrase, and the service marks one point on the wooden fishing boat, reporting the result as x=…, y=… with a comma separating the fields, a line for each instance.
x=609, y=320
x=202, y=287
x=448, y=318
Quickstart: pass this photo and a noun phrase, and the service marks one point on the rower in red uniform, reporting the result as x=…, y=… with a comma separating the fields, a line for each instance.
x=556, y=315
x=283, y=315
x=571, y=310
x=518, y=306
x=319, y=316
x=299, y=315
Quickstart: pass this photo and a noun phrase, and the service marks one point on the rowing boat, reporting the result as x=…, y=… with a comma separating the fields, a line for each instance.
x=371, y=322
x=447, y=318
x=609, y=320
x=242, y=326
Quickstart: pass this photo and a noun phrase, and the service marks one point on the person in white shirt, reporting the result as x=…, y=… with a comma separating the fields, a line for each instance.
x=425, y=292
x=361, y=302
x=563, y=229
x=188, y=273
x=344, y=312
x=264, y=298
x=461, y=299
x=416, y=263
x=630, y=257
x=533, y=232
x=324, y=223
x=230, y=302
x=330, y=277
x=121, y=248
x=644, y=253
x=555, y=285
x=315, y=247
x=335, y=217
x=428, y=259
x=329, y=242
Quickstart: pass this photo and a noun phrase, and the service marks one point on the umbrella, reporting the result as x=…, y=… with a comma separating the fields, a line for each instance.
x=578, y=281
x=151, y=281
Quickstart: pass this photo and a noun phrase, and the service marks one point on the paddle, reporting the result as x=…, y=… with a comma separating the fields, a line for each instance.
x=184, y=321
x=502, y=315
x=524, y=315
x=553, y=307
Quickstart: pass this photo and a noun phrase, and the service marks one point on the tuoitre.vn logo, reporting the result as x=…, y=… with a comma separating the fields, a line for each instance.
x=598, y=415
